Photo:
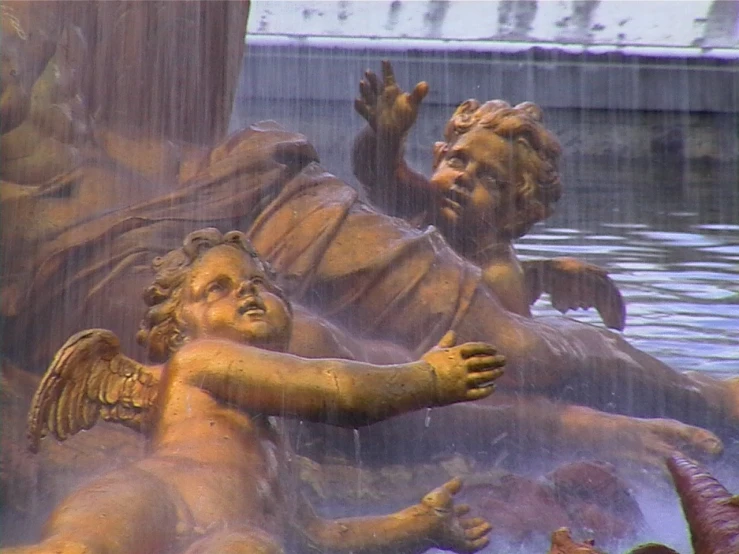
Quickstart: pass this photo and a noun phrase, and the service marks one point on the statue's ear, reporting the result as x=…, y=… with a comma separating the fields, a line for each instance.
x=532, y=110
x=440, y=150
x=524, y=143
x=525, y=155
x=467, y=107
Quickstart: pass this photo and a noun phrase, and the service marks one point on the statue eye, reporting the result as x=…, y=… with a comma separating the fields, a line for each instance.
x=257, y=281
x=489, y=180
x=216, y=287
x=455, y=162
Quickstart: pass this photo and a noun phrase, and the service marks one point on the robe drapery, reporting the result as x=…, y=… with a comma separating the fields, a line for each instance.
x=373, y=273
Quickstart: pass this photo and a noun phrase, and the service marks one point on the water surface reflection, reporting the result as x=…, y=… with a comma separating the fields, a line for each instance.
x=681, y=285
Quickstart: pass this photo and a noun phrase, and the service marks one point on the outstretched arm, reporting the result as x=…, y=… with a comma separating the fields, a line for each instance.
x=433, y=522
x=340, y=392
x=378, y=154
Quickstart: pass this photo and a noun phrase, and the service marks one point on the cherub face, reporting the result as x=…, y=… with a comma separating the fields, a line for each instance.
x=228, y=296
x=475, y=185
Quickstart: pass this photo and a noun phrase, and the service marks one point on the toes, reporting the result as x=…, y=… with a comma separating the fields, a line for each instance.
x=477, y=532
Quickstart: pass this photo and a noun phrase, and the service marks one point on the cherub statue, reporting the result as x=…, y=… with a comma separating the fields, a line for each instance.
x=212, y=480
x=89, y=232
x=495, y=176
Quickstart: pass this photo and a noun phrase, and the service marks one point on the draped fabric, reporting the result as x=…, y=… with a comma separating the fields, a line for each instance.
x=373, y=273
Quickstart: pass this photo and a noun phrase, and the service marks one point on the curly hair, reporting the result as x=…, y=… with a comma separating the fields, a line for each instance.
x=537, y=185
x=161, y=330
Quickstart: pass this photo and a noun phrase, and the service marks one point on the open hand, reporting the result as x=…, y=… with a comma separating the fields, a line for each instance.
x=464, y=372
x=451, y=530
x=388, y=110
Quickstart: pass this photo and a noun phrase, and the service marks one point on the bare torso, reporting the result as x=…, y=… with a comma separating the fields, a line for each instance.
x=222, y=463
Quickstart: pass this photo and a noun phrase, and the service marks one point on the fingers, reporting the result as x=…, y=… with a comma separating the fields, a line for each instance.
x=387, y=73
x=361, y=107
x=368, y=88
x=419, y=92
x=461, y=510
x=483, y=379
x=480, y=392
x=448, y=340
x=469, y=349
x=478, y=531
x=372, y=82
x=485, y=363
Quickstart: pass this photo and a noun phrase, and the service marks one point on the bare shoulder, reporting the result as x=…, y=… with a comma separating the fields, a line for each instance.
x=202, y=353
x=210, y=354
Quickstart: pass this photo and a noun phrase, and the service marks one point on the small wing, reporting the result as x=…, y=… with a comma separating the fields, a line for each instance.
x=574, y=284
x=89, y=378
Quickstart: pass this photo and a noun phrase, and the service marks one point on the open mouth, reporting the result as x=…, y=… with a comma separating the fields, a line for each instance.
x=455, y=199
x=252, y=306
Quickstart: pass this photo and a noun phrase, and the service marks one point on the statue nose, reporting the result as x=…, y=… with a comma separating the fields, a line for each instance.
x=246, y=288
x=464, y=181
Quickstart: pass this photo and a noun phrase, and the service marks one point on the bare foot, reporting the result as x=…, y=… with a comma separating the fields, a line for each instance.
x=662, y=438
x=646, y=442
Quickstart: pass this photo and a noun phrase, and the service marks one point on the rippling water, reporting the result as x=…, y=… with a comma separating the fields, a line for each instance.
x=679, y=277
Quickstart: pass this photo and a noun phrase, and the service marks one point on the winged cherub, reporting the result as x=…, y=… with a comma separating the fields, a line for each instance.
x=495, y=176
x=211, y=481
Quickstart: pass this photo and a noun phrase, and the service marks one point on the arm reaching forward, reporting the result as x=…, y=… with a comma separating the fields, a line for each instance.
x=434, y=522
x=340, y=392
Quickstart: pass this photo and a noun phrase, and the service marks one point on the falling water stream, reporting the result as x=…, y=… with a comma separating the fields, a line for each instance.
x=669, y=238
x=662, y=219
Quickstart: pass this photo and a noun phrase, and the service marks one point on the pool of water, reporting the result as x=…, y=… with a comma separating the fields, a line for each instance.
x=677, y=268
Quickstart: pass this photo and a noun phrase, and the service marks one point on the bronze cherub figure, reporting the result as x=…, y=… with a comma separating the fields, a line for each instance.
x=494, y=176
x=213, y=478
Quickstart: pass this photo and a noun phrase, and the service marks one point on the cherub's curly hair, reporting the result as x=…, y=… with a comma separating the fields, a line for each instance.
x=161, y=331
x=538, y=186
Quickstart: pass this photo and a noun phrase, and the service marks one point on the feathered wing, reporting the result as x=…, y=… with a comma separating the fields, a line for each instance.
x=88, y=379
x=574, y=284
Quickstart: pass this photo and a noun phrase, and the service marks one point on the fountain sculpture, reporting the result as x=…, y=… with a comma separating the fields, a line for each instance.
x=108, y=162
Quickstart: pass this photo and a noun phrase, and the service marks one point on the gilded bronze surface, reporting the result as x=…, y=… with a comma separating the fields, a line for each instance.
x=98, y=180
x=213, y=472
x=495, y=175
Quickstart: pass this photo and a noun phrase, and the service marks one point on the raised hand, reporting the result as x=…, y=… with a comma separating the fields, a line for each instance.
x=451, y=530
x=464, y=372
x=388, y=110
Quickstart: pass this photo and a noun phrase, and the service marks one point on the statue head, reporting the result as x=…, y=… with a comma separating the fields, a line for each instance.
x=496, y=172
x=214, y=286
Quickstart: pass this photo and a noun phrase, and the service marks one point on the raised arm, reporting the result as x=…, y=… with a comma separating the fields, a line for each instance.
x=434, y=522
x=378, y=153
x=339, y=392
